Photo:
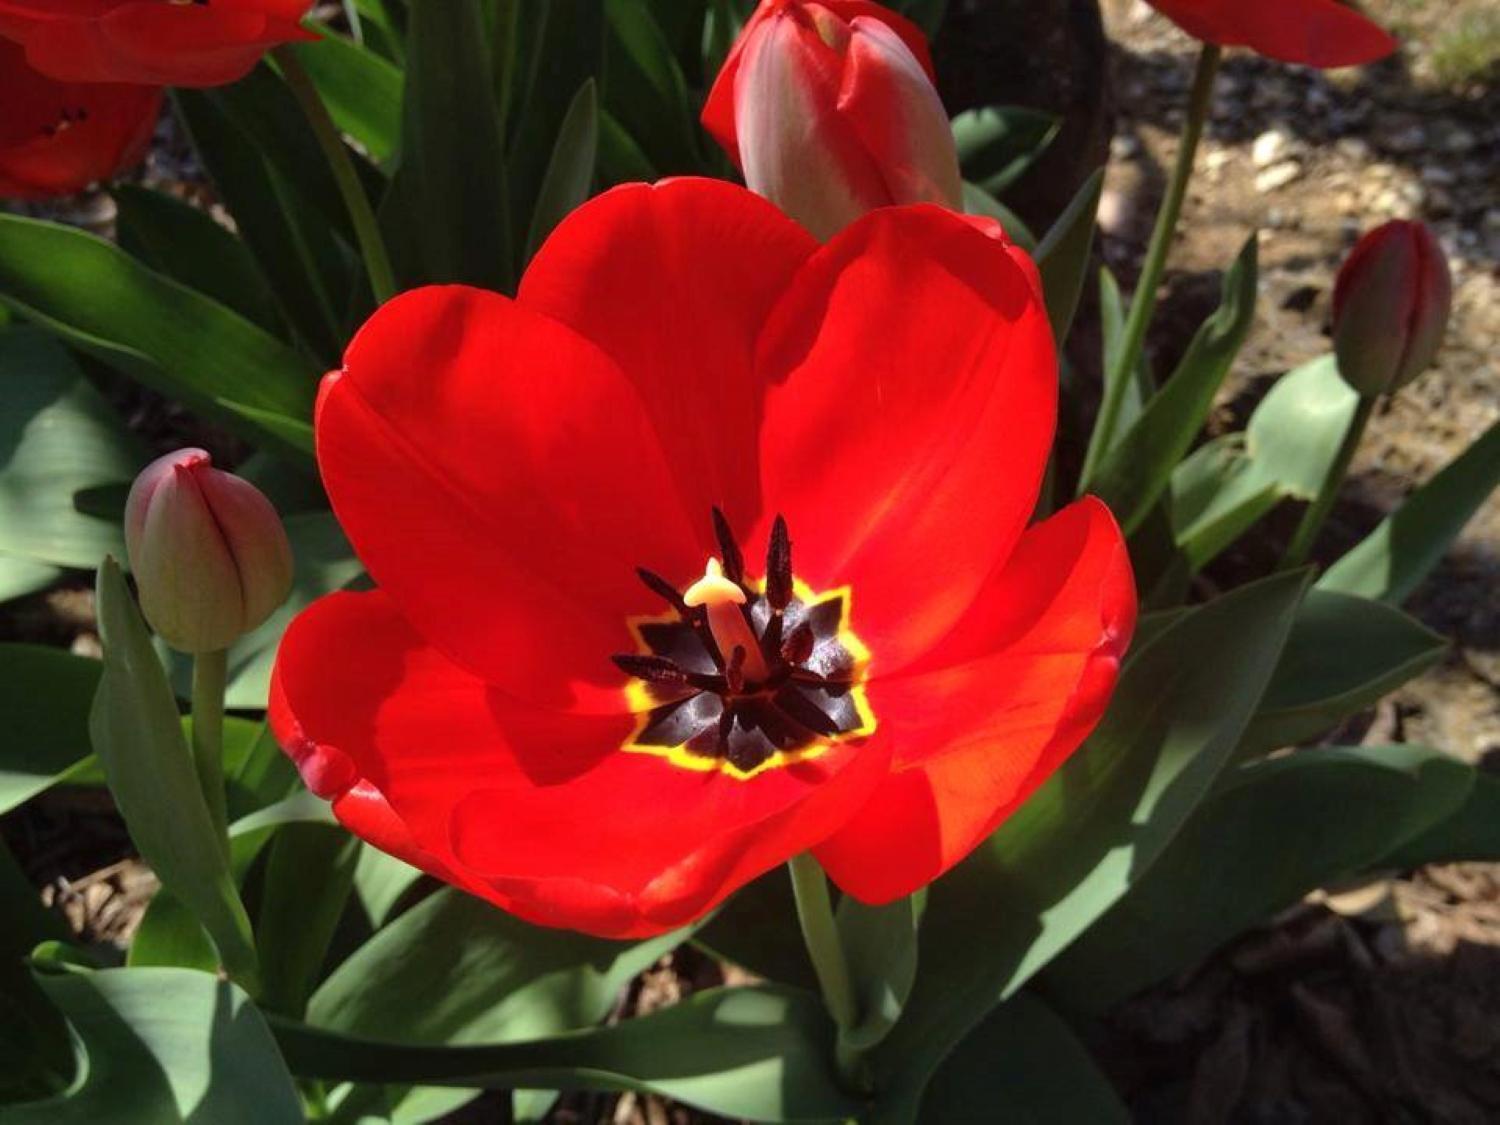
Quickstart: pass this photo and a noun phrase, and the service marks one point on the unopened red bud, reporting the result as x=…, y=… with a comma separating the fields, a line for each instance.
x=210, y=555
x=1390, y=307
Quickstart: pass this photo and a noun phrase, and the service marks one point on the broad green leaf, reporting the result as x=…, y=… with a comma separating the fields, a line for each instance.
x=138, y=737
x=169, y=936
x=758, y=930
x=644, y=88
x=1093, y=830
x=1135, y=472
x=764, y=1053
x=188, y=245
x=45, y=695
x=570, y=172
x=977, y=201
x=1470, y=832
x=880, y=943
x=1217, y=495
x=1112, y=339
x=452, y=157
x=1344, y=653
x=1392, y=560
x=1277, y=830
x=620, y=158
x=36, y=1056
x=1064, y=253
x=309, y=270
x=256, y=772
x=164, y=1045
x=309, y=873
x=380, y=880
x=89, y=291
x=19, y=577
x=58, y=438
x=1024, y=1065
x=997, y=144
x=361, y=89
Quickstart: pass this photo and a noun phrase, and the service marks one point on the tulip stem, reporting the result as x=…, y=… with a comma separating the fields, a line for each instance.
x=821, y=935
x=371, y=244
x=1317, y=512
x=1143, y=303
x=210, y=673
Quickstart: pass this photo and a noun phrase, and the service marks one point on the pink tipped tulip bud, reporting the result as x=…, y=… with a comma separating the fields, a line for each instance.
x=210, y=556
x=1390, y=307
x=830, y=110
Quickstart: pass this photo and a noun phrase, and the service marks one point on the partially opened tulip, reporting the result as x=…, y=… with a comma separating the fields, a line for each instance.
x=152, y=42
x=830, y=110
x=578, y=692
x=57, y=138
x=1391, y=304
x=1320, y=33
x=210, y=556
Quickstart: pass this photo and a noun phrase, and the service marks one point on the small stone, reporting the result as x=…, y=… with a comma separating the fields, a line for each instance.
x=1218, y=159
x=1124, y=147
x=1353, y=148
x=1270, y=147
x=1278, y=176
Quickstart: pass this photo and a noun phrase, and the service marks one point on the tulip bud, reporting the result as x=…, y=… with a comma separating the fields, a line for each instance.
x=210, y=557
x=1390, y=307
x=830, y=111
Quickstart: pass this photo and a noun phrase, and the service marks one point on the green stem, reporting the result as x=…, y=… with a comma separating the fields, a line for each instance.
x=1317, y=512
x=1143, y=304
x=210, y=673
x=820, y=933
x=366, y=229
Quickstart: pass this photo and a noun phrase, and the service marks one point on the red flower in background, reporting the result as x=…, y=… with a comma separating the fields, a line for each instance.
x=574, y=694
x=1321, y=33
x=56, y=138
x=830, y=110
x=152, y=42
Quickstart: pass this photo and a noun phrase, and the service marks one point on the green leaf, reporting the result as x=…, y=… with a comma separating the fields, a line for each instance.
x=880, y=943
x=452, y=158
x=1095, y=828
x=757, y=929
x=36, y=1055
x=256, y=772
x=1470, y=832
x=570, y=173
x=997, y=144
x=1217, y=495
x=762, y=1053
x=361, y=89
x=185, y=242
x=164, y=1045
x=44, y=695
x=1277, y=830
x=92, y=293
x=137, y=734
x=1392, y=560
x=1063, y=256
x=644, y=88
x=380, y=880
x=977, y=201
x=1024, y=1058
x=1137, y=469
x=170, y=936
x=19, y=577
x=620, y=158
x=58, y=438
x=1344, y=653
x=309, y=874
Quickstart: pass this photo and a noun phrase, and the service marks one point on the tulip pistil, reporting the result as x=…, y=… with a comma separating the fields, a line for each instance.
x=745, y=676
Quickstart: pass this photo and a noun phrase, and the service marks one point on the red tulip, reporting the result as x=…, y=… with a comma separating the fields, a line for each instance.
x=1320, y=33
x=1391, y=304
x=524, y=711
x=151, y=42
x=830, y=110
x=56, y=138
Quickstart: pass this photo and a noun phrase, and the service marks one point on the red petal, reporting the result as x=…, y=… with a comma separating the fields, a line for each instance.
x=718, y=109
x=674, y=282
x=499, y=478
x=907, y=440
x=537, y=812
x=999, y=706
x=1321, y=33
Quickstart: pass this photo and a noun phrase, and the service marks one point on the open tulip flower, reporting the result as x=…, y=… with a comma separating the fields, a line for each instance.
x=153, y=42
x=56, y=138
x=1320, y=33
x=708, y=549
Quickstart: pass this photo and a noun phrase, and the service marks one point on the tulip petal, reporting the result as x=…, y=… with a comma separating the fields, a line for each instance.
x=498, y=476
x=996, y=709
x=1320, y=33
x=674, y=282
x=907, y=437
x=538, y=812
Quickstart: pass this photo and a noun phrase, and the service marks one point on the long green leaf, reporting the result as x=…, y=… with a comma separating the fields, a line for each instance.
x=1094, y=829
x=89, y=292
x=997, y=144
x=44, y=695
x=137, y=734
x=645, y=90
x=1064, y=254
x=164, y=1045
x=1136, y=470
x=361, y=89
x=570, y=172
